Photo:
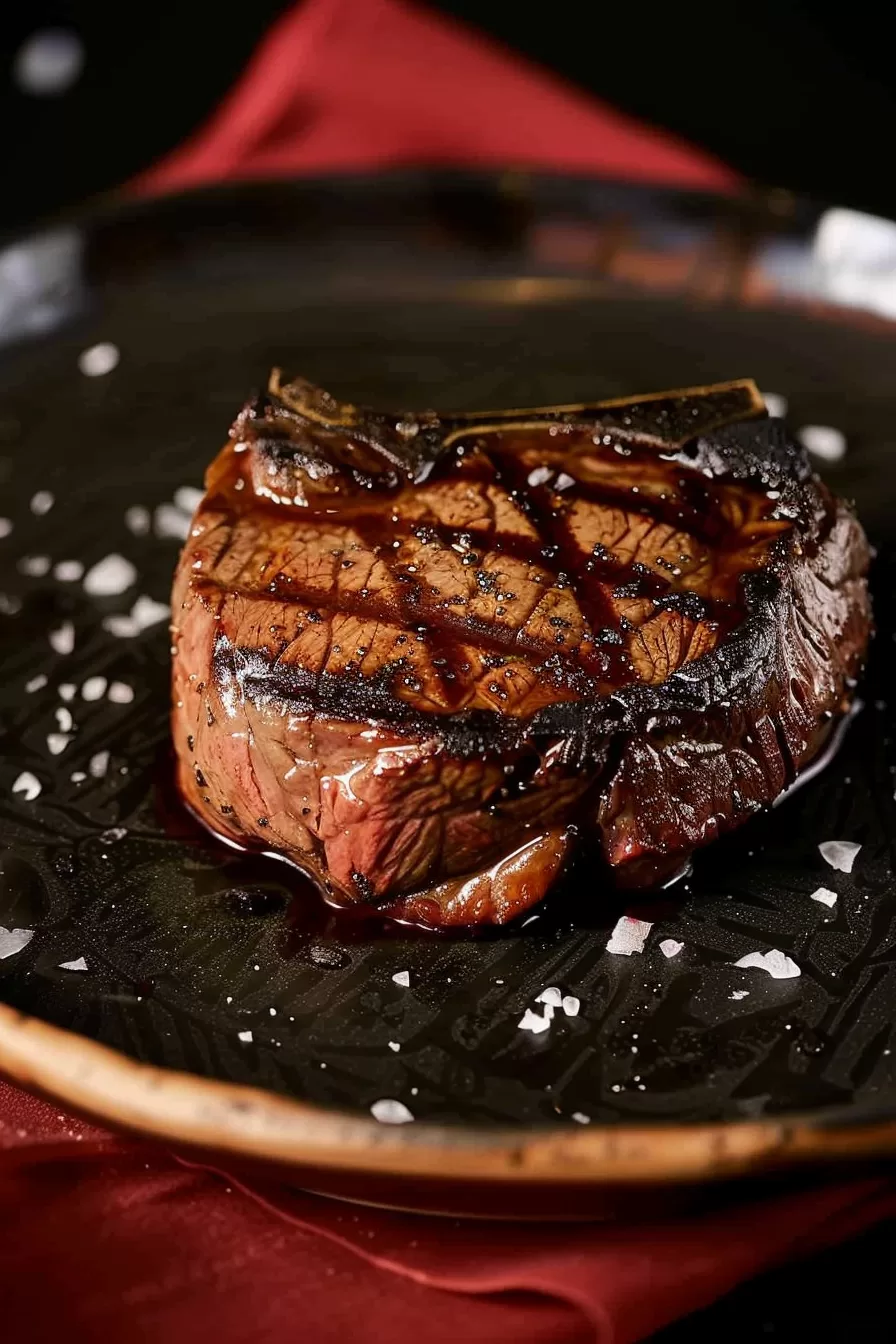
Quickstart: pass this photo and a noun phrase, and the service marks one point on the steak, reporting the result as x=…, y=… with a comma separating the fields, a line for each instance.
x=427, y=658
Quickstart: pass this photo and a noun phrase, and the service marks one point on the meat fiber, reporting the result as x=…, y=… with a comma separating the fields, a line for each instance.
x=428, y=657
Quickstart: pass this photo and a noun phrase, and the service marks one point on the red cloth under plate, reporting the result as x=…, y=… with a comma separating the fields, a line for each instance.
x=108, y=1239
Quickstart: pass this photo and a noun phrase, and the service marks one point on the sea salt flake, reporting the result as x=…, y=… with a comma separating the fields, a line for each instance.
x=144, y=613
x=245, y=1036
x=98, y=764
x=170, y=521
x=42, y=502
x=825, y=896
x=77, y=777
x=629, y=936
x=188, y=498
x=34, y=566
x=531, y=1021
x=120, y=693
x=98, y=360
x=79, y=964
x=28, y=785
x=67, y=691
x=64, y=721
x=110, y=576
x=775, y=404
x=137, y=520
x=5, y=527
x=112, y=834
x=550, y=995
x=68, y=571
x=395, y=1046
x=563, y=481
x=57, y=743
x=840, y=854
x=13, y=940
x=539, y=475
x=94, y=688
x=739, y=994
x=580, y=1119
x=391, y=1112
x=823, y=441
x=36, y=683
x=62, y=639
x=670, y=948
x=402, y=978
x=571, y=1005
x=777, y=964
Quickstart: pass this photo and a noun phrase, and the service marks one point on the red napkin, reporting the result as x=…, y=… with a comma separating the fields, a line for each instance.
x=348, y=85
x=107, y=1238
x=111, y=1239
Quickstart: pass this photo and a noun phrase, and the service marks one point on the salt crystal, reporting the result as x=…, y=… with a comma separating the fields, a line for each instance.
x=98, y=764
x=390, y=1112
x=571, y=1005
x=629, y=936
x=402, y=978
x=564, y=481
x=823, y=441
x=539, y=475
x=94, y=688
x=144, y=613
x=775, y=404
x=533, y=1022
x=77, y=776
x=68, y=571
x=825, y=896
x=99, y=359
x=63, y=638
x=67, y=691
x=36, y=683
x=739, y=994
x=580, y=1119
x=13, y=940
x=778, y=965
x=170, y=521
x=5, y=527
x=35, y=566
x=112, y=834
x=245, y=1036
x=28, y=785
x=670, y=948
x=109, y=577
x=120, y=693
x=42, y=502
x=57, y=743
x=188, y=498
x=550, y=995
x=78, y=965
x=840, y=854
x=64, y=719
x=137, y=520
x=395, y=1046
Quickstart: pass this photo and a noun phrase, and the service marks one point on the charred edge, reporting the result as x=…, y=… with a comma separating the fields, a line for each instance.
x=725, y=674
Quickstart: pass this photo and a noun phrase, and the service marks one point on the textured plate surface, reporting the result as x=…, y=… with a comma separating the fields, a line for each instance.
x=455, y=292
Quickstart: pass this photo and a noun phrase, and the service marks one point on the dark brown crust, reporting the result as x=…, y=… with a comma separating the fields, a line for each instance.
x=656, y=769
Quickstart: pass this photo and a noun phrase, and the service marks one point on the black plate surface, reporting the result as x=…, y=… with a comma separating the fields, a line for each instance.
x=462, y=292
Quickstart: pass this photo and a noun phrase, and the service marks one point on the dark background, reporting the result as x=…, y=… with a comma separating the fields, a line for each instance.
x=794, y=95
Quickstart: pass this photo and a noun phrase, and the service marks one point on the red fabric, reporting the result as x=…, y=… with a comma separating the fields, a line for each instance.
x=364, y=84
x=108, y=1238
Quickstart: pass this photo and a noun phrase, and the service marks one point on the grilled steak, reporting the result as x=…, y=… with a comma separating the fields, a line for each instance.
x=427, y=657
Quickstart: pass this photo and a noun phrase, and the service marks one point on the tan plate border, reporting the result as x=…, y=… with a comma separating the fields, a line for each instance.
x=250, y=1123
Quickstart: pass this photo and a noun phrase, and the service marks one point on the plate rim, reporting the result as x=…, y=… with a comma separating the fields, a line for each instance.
x=253, y=1123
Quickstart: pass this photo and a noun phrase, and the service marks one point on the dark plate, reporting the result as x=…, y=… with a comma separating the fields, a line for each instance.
x=462, y=292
